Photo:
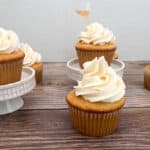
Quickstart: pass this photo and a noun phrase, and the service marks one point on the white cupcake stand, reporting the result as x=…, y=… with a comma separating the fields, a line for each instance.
x=10, y=94
x=74, y=70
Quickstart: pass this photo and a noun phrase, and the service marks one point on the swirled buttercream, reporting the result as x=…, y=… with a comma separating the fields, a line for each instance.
x=9, y=41
x=31, y=57
x=100, y=82
x=96, y=34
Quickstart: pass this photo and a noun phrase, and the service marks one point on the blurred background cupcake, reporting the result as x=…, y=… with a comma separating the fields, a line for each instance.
x=11, y=57
x=116, y=56
x=95, y=41
x=96, y=101
x=33, y=59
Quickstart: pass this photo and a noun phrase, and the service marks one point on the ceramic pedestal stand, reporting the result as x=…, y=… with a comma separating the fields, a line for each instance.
x=10, y=95
x=73, y=68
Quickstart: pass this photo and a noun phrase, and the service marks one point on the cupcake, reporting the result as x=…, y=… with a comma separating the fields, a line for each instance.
x=96, y=101
x=33, y=59
x=95, y=41
x=116, y=56
x=11, y=57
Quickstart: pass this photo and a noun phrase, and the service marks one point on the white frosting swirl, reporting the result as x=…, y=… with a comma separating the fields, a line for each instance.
x=31, y=57
x=96, y=34
x=9, y=41
x=100, y=82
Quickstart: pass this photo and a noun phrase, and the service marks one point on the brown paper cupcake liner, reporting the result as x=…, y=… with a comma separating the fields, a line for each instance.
x=94, y=124
x=38, y=67
x=87, y=55
x=10, y=71
x=147, y=77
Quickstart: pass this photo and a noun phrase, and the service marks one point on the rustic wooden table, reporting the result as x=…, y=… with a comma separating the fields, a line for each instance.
x=44, y=122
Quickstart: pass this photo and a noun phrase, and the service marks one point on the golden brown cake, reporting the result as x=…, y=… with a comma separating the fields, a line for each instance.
x=87, y=52
x=38, y=67
x=147, y=77
x=11, y=67
x=97, y=107
x=94, y=119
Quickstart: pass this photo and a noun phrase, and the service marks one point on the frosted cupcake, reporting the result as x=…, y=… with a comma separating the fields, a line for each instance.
x=116, y=56
x=96, y=101
x=11, y=57
x=95, y=41
x=33, y=59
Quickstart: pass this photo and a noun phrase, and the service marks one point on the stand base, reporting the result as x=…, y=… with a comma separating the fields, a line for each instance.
x=74, y=69
x=11, y=105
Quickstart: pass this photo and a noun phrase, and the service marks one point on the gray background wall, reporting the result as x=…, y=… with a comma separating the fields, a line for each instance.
x=52, y=27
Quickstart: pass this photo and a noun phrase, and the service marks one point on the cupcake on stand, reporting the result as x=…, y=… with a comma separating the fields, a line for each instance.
x=95, y=40
x=15, y=80
x=33, y=59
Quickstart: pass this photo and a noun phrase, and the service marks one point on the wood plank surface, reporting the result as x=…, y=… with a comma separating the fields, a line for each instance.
x=44, y=122
x=51, y=94
x=135, y=67
x=52, y=129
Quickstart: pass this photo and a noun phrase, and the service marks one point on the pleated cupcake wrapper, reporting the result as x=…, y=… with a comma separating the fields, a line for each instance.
x=38, y=74
x=147, y=77
x=87, y=55
x=10, y=72
x=147, y=81
x=94, y=124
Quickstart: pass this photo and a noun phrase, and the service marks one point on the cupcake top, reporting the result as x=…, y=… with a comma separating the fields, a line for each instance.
x=96, y=34
x=9, y=41
x=31, y=57
x=100, y=83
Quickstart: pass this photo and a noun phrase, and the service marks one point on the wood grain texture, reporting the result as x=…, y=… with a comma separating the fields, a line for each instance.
x=52, y=129
x=44, y=122
x=135, y=67
x=51, y=94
